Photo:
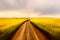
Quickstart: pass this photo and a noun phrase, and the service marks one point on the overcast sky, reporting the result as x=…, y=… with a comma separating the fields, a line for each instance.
x=41, y=7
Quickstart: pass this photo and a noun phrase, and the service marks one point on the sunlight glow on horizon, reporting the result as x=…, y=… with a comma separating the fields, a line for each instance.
x=23, y=13
x=29, y=8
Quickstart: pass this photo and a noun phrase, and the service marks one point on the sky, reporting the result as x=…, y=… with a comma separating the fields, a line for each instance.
x=29, y=8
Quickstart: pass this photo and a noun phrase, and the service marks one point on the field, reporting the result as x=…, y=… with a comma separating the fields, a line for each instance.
x=51, y=25
x=8, y=25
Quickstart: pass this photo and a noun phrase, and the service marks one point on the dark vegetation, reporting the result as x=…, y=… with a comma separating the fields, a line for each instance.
x=8, y=36
x=47, y=34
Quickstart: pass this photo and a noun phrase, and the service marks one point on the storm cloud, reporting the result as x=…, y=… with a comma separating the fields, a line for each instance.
x=41, y=7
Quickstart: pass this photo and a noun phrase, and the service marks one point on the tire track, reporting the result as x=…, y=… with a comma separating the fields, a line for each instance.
x=28, y=32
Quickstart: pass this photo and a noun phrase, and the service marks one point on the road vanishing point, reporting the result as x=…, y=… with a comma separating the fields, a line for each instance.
x=28, y=31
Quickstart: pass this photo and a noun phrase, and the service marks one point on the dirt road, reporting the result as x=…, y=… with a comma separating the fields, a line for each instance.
x=28, y=32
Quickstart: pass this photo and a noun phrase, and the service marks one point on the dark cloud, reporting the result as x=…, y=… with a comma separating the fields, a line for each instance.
x=45, y=6
x=50, y=10
x=12, y=4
